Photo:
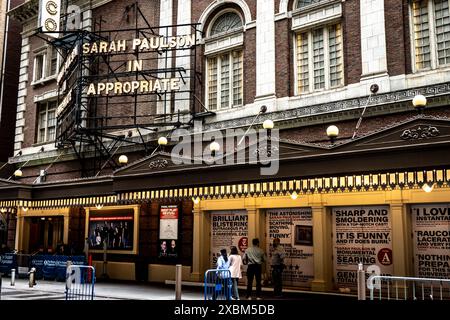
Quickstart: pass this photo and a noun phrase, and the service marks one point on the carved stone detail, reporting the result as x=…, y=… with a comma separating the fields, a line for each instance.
x=158, y=164
x=420, y=133
x=402, y=96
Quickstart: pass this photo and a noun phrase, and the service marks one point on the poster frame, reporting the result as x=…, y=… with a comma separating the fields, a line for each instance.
x=113, y=210
x=170, y=259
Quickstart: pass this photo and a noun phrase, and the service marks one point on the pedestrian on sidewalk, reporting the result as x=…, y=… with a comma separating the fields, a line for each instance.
x=277, y=264
x=254, y=257
x=235, y=269
x=223, y=263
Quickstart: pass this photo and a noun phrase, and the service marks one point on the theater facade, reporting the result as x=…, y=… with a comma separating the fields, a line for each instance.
x=131, y=141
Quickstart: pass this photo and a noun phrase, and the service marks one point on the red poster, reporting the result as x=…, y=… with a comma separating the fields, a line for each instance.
x=168, y=212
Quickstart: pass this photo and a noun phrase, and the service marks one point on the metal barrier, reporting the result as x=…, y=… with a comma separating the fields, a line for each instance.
x=408, y=288
x=80, y=281
x=217, y=284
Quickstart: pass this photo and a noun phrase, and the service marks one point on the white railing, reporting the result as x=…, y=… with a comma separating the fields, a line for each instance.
x=408, y=288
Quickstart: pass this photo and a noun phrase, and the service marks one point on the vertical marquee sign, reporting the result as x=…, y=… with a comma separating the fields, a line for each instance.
x=49, y=16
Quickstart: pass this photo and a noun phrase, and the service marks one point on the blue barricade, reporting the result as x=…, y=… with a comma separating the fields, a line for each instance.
x=217, y=284
x=48, y=267
x=8, y=261
x=37, y=262
x=54, y=267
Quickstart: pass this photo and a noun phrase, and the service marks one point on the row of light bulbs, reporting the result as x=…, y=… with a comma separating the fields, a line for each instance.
x=294, y=195
x=419, y=102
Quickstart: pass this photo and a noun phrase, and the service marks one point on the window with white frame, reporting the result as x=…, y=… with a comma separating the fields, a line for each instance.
x=431, y=33
x=46, y=121
x=39, y=70
x=225, y=69
x=319, y=59
x=46, y=63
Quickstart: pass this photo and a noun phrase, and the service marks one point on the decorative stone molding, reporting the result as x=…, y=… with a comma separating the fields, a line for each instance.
x=420, y=133
x=401, y=96
x=158, y=164
x=302, y=19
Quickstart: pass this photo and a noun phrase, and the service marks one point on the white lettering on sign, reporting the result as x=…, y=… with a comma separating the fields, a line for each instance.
x=70, y=58
x=64, y=103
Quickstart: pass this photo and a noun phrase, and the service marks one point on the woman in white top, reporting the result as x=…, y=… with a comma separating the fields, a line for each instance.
x=235, y=261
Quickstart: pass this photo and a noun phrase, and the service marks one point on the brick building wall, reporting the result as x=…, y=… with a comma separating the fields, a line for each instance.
x=352, y=42
x=398, y=55
x=9, y=78
x=397, y=36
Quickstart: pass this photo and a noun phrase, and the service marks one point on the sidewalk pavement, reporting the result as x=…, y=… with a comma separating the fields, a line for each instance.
x=152, y=291
x=106, y=290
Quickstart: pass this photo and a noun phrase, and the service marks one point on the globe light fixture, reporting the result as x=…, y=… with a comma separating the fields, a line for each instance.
x=214, y=147
x=196, y=200
x=18, y=173
x=419, y=102
x=268, y=124
x=332, y=132
x=25, y=209
x=123, y=159
x=162, y=141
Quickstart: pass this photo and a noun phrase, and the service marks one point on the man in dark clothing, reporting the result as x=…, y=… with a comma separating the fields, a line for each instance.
x=254, y=257
x=278, y=255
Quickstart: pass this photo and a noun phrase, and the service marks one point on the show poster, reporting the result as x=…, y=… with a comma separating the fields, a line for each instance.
x=431, y=234
x=294, y=228
x=228, y=228
x=168, y=231
x=361, y=235
x=116, y=230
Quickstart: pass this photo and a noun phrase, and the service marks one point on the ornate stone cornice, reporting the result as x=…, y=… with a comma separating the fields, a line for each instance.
x=336, y=107
x=25, y=11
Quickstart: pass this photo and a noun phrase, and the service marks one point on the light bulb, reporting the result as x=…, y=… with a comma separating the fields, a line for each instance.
x=123, y=159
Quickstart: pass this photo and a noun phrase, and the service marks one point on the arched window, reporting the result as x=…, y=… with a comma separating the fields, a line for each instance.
x=226, y=22
x=304, y=3
x=224, y=65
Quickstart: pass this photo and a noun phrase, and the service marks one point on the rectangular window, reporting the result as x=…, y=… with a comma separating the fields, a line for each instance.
x=237, y=78
x=54, y=61
x=319, y=59
x=431, y=32
x=212, y=83
x=39, y=64
x=225, y=77
x=442, y=20
x=335, y=47
x=302, y=62
x=46, y=121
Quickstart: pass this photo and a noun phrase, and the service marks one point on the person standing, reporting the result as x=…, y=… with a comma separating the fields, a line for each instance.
x=277, y=264
x=254, y=257
x=223, y=263
x=235, y=270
